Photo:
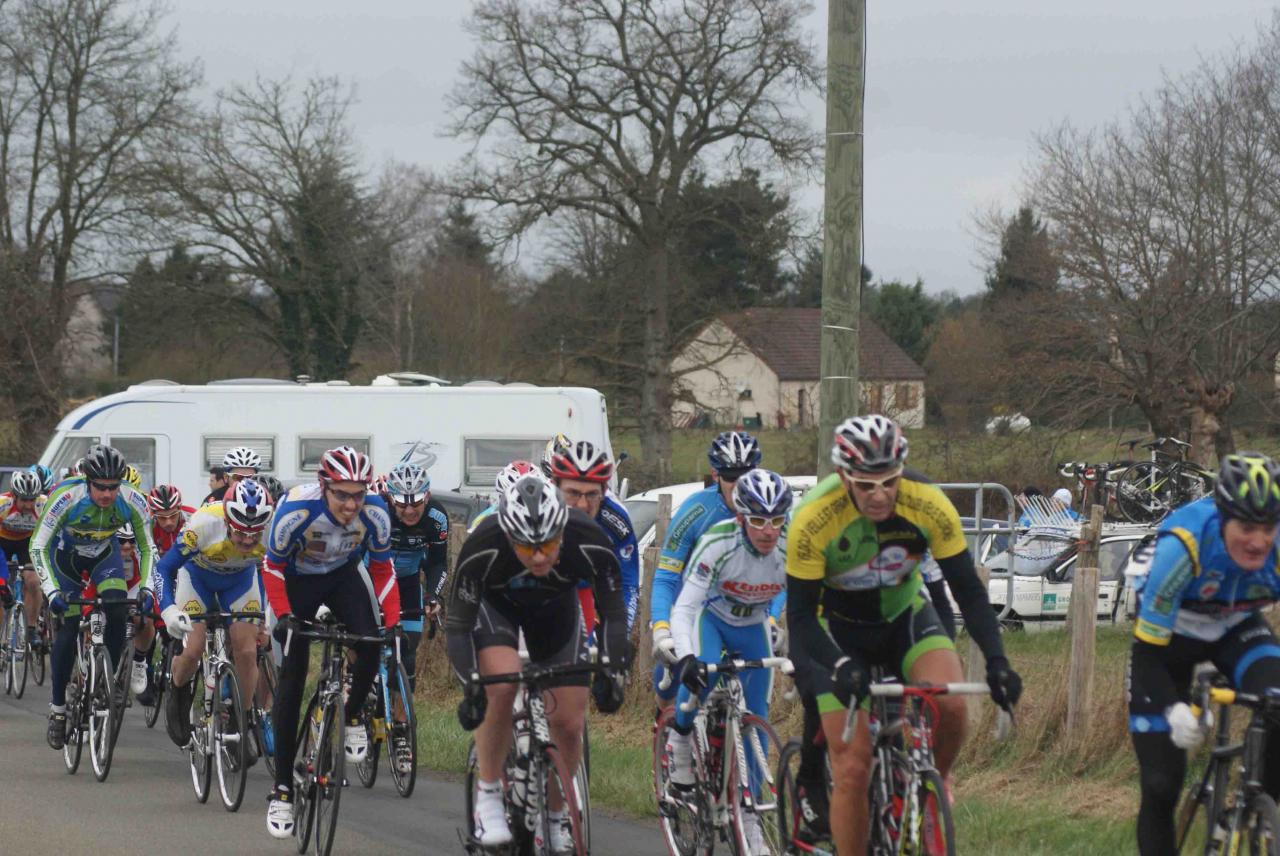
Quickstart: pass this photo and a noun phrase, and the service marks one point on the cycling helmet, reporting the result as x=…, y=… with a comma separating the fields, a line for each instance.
x=510, y=474
x=379, y=486
x=45, y=475
x=408, y=483
x=247, y=507
x=734, y=452
x=345, y=464
x=164, y=498
x=581, y=462
x=1248, y=488
x=556, y=444
x=25, y=485
x=869, y=444
x=762, y=492
x=103, y=462
x=242, y=457
x=132, y=477
x=531, y=511
x=273, y=486
x=125, y=534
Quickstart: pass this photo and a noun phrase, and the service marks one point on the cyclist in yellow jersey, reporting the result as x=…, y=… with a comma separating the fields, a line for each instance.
x=855, y=547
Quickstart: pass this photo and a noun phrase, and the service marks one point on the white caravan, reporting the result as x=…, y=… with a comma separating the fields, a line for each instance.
x=174, y=433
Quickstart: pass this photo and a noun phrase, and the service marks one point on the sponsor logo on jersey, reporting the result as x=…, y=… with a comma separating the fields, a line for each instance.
x=627, y=551
x=677, y=533
x=1208, y=589
x=751, y=591
x=190, y=540
x=284, y=528
x=381, y=522
x=193, y=607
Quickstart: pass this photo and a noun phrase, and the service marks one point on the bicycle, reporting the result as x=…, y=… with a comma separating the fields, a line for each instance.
x=533, y=766
x=263, y=697
x=318, y=775
x=98, y=692
x=1148, y=490
x=1216, y=817
x=218, y=723
x=163, y=650
x=790, y=818
x=732, y=769
x=44, y=642
x=15, y=653
x=390, y=703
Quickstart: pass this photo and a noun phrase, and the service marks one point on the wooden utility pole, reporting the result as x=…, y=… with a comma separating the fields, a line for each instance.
x=642, y=640
x=842, y=220
x=1083, y=617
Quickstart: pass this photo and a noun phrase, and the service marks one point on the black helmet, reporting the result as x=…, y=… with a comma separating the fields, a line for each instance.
x=1248, y=488
x=103, y=462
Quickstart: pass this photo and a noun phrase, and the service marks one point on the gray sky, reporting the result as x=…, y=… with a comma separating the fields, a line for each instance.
x=954, y=95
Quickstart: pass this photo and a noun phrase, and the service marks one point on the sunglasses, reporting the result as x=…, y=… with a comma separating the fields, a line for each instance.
x=167, y=515
x=105, y=487
x=574, y=495
x=865, y=486
x=348, y=497
x=420, y=501
x=528, y=551
x=757, y=522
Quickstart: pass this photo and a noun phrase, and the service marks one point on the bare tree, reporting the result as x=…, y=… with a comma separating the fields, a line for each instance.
x=607, y=106
x=85, y=87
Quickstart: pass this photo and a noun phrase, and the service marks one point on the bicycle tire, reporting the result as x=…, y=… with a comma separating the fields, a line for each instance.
x=267, y=675
x=682, y=832
x=941, y=839
x=43, y=622
x=304, y=780
x=1139, y=492
x=1259, y=828
x=367, y=770
x=102, y=714
x=21, y=652
x=199, y=759
x=1195, y=815
x=73, y=744
x=120, y=689
x=554, y=772
x=160, y=683
x=232, y=762
x=761, y=745
x=789, y=818
x=404, y=782
x=330, y=768
x=6, y=660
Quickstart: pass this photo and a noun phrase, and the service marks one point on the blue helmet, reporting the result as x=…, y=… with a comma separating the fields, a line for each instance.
x=762, y=492
x=734, y=452
x=45, y=474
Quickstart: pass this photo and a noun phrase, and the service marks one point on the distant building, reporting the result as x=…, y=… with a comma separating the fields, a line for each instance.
x=760, y=367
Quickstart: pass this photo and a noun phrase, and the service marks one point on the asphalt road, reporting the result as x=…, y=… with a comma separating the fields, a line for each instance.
x=147, y=803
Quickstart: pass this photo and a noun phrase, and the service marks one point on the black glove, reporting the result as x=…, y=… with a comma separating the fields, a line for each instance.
x=691, y=672
x=607, y=688
x=472, y=708
x=1006, y=685
x=6, y=596
x=851, y=681
x=285, y=624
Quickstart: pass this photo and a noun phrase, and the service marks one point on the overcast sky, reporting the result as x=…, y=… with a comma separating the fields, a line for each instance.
x=954, y=95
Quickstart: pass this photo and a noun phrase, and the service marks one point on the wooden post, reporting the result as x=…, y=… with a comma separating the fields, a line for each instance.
x=1090, y=534
x=976, y=665
x=1084, y=610
x=643, y=640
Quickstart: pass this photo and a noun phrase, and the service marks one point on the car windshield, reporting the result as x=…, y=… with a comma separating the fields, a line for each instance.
x=1035, y=554
x=643, y=514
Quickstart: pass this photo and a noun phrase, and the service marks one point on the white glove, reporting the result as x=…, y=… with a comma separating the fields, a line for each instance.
x=176, y=621
x=1184, y=727
x=777, y=638
x=664, y=646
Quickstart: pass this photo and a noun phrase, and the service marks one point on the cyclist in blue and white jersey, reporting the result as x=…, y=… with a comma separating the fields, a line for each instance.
x=75, y=538
x=419, y=551
x=1212, y=569
x=318, y=538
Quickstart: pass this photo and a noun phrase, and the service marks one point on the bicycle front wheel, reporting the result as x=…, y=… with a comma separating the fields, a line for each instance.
x=198, y=748
x=229, y=750
x=74, y=743
x=927, y=826
x=1259, y=828
x=21, y=651
x=1140, y=493
x=403, y=757
x=101, y=711
x=556, y=777
x=159, y=663
x=330, y=770
x=756, y=828
x=263, y=698
x=679, y=816
x=789, y=817
x=304, y=776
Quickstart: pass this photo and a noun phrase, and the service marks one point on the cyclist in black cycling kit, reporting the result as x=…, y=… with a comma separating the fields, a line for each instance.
x=519, y=571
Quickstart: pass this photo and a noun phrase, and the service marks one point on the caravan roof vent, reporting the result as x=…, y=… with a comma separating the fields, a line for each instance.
x=482, y=383
x=521, y=383
x=158, y=381
x=337, y=383
x=407, y=379
x=250, y=381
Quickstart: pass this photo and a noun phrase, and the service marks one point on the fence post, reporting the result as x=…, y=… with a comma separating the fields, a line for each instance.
x=976, y=664
x=1083, y=615
x=644, y=648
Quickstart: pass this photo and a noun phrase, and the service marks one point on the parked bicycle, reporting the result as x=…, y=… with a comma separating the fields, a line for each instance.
x=1222, y=814
x=1149, y=490
x=389, y=719
x=218, y=722
x=735, y=754
x=534, y=768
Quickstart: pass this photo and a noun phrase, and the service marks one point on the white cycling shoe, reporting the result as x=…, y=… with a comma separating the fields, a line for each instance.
x=280, y=814
x=561, y=838
x=680, y=751
x=357, y=742
x=138, y=678
x=491, y=818
x=755, y=834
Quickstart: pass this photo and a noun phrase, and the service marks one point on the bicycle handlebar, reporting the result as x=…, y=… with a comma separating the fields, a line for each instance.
x=534, y=674
x=328, y=631
x=888, y=690
x=732, y=667
x=217, y=617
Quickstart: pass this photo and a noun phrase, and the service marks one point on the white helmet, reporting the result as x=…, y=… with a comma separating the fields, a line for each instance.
x=408, y=483
x=532, y=511
x=247, y=507
x=242, y=457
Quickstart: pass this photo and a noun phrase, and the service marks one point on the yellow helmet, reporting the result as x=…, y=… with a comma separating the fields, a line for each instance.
x=133, y=477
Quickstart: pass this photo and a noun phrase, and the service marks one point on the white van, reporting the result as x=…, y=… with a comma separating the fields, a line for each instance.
x=174, y=433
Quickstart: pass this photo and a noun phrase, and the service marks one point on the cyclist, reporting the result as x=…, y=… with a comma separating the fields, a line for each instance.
x=556, y=444
x=144, y=625
x=737, y=568
x=419, y=550
x=45, y=474
x=238, y=463
x=507, y=476
x=214, y=566
x=75, y=538
x=273, y=486
x=1212, y=568
x=20, y=510
x=855, y=544
x=518, y=571
x=317, y=539
x=168, y=516
x=582, y=473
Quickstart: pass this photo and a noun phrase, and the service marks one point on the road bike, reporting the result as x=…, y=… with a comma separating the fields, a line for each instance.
x=15, y=653
x=735, y=754
x=1223, y=814
x=98, y=692
x=160, y=665
x=389, y=718
x=263, y=697
x=218, y=722
x=1148, y=490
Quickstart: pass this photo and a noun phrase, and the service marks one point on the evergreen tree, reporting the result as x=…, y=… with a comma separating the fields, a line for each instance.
x=1026, y=264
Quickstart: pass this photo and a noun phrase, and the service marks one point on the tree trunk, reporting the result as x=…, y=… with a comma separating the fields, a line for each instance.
x=1207, y=404
x=655, y=385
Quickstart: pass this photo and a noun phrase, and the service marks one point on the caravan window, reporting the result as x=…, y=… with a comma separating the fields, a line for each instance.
x=216, y=447
x=484, y=457
x=141, y=452
x=71, y=450
x=310, y=449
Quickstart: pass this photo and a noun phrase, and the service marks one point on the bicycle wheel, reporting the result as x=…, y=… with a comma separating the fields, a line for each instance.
x=228, y=733
x=405, y=776
x=74, y=743
x=1195, y=817
x=102, y=713
x=789, y=817
x=330, y=765
x=375, y=727
x=756, y=797
x=679, y=814
x=554, y=775
x=6, y=660
x=198, y=751
x=161, y=663
x=20, y=651
x=927, y=826
x=890, y=777
x=304, y=776
x=263, y=698
x=1259, y=828
x=43, y=623
x=1140, y=493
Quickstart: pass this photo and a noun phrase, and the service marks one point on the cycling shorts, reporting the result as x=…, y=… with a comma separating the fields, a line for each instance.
x=892, y=645
x=555, y=636
x=16, y=551
x=199, y=591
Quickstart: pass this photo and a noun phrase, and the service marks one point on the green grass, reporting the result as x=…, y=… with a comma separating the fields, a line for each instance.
x=1009, y=825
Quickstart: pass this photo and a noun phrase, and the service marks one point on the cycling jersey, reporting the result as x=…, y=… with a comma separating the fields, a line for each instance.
x=204, y=549
x=1189, y=586
x=77, y=526
x=18, y=525
x=489, y=573
x=422, y=547
x=692, y=519
x=163, y=540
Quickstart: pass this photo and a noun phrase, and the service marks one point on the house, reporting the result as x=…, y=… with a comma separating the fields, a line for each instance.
x=761, y=367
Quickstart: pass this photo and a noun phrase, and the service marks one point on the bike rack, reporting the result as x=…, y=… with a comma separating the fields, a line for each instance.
x=979, y=489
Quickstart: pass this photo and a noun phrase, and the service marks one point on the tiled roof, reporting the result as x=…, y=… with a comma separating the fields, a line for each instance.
x=788, y=341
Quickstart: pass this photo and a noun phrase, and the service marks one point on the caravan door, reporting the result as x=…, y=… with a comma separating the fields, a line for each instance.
x=149, y=453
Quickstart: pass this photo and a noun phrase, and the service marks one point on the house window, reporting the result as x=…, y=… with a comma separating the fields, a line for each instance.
x=311, y=449
x=216, y=447
x=904, y=396
x=873, y=394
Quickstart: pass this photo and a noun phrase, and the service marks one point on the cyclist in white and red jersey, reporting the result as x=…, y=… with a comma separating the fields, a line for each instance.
x=168, y=516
